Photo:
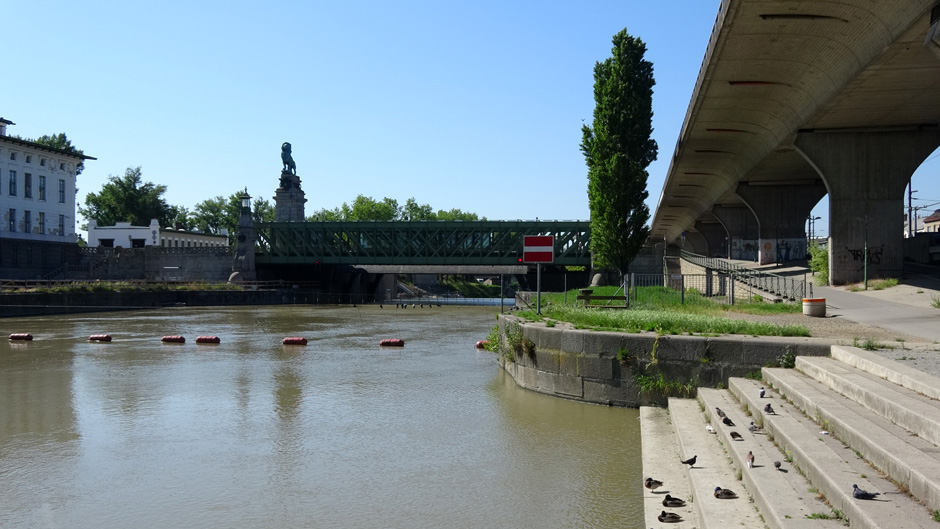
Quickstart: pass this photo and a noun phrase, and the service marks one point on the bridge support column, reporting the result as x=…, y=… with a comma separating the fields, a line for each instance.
x=742, y=231
x=866, y=173
x=781, y=212
x=716, y=236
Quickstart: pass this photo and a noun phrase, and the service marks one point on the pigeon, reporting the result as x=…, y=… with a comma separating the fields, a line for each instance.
x=669, y=501
x=727, y=421
x=769, y=409
x=777, y=465
x=762, y=392
x=861, y=494
x=753, y=428
x=669, y=517
x=736, y=436
x=724, y=494
x=750, y=459
x=709, y=429
x=652, y=484
x=690, y=461
x=719, y=412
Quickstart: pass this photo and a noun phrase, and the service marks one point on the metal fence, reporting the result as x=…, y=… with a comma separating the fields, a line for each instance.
x=758, y=282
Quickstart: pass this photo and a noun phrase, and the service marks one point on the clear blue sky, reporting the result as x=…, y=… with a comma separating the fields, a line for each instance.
x=469, y=105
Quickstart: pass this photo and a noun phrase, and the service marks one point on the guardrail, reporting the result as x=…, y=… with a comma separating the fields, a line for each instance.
x=787, y=288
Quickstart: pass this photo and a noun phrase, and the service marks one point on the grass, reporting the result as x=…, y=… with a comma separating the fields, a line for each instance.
x=935, y=302
x=121, y=286
x=877, y=284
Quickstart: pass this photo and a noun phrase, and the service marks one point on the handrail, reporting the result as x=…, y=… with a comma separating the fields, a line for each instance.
x=785, y=287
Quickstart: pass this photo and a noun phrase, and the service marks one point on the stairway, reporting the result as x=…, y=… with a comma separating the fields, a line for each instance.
x=852, y=418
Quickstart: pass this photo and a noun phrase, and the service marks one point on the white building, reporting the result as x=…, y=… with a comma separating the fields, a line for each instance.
x=37, y=190
x=123, y=235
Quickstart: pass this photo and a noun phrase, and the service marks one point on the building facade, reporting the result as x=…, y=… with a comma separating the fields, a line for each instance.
x=123, y=235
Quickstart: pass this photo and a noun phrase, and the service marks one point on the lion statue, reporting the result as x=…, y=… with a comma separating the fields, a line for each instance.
x=288, y=159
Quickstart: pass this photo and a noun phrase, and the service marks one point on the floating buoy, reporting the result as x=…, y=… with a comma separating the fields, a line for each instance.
x=173, y=339
x=392, y=342
x=208, y=339
x=294, y=340
x=99, y=338
x=21, y=336
x=481, y=344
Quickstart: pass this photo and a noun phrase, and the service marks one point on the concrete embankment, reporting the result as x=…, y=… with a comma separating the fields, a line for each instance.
x=602, y=367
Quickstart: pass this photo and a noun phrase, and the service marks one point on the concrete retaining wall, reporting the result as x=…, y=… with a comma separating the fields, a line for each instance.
x=582, y=364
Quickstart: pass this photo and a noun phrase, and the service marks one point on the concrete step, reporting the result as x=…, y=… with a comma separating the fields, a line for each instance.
x=660, y=453
x=783, y=496
x=712, y=469
x=912, y=462
x=830, y=466
x=902, y=375
x=909, y=410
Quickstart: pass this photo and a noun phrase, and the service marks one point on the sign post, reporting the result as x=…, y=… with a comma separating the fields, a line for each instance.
x=538, y=249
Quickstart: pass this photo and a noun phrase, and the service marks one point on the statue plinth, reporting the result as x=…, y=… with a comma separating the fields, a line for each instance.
x=289, y=199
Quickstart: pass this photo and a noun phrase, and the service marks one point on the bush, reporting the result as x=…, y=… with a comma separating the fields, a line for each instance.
x=819, y=263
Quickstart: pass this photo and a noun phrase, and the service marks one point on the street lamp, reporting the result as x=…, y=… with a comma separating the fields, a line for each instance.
x=811, y=220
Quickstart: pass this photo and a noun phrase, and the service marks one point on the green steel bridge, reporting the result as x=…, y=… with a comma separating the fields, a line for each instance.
x=409, y=243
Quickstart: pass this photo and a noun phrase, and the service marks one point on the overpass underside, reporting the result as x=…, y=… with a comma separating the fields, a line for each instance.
x=795, y=100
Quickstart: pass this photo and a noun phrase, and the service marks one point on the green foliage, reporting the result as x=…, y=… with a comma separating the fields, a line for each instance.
x=787, y=359
x=470, y=289
x=935, y=515
x=624, y=357
x=618, y=148
x=493, y=340
x=935, y=302
x=882, y=284
x=550, y=323
x=366, y=208
x=754, y=375
x=819, y=263
x=871, y=345
x=61, y=142
x=128, y=199
x=657, y=386
x=215, y=214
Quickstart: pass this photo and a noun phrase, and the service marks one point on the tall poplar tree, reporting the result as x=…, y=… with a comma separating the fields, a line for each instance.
x=618, y=148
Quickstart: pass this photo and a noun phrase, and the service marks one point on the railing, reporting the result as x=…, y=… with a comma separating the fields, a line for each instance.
x=659, y=289
x=787, y=288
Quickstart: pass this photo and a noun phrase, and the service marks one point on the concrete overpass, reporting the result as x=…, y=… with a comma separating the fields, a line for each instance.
x=797, y=99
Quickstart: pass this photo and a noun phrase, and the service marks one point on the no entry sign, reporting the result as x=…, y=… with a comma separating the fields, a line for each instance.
x=538, y=249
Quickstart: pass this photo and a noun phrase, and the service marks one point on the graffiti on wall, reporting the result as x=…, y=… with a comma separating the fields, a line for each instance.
x=874, y=255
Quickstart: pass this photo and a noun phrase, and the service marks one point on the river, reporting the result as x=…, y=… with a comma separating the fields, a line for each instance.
x=338, y=433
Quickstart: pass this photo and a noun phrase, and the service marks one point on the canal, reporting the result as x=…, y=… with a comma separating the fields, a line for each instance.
x=338, y=433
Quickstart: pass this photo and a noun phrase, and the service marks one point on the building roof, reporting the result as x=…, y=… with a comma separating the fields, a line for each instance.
x=933, y=218
x=42, y=147
x=6, y=122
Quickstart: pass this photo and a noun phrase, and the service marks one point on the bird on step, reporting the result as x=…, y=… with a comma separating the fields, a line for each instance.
x=709, y=428
x=652, y=484
x=669, y=501
x=669, y=517
x=719, y=412
x=690, y=461
x=750, y=460
x=862, y=494
x=777, y=465
x=725, y=494
x=727, y=422
x=753, y=428
x=762, y=392
x=769, y=409
x=736, y=436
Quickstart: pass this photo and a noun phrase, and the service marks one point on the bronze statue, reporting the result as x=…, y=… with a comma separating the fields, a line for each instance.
x=288, y=159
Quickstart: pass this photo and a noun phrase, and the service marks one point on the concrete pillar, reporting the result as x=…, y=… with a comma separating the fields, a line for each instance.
x=741, y=225
x=866, y=173
x=716, y=236
x=781, y=212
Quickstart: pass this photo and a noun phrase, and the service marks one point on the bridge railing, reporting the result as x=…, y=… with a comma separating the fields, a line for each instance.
x=787, y=288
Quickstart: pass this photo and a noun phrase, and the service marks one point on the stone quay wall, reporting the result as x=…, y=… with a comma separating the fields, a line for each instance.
x=583, y=364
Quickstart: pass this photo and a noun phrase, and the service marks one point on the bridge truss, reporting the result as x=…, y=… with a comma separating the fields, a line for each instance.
x=417, y=242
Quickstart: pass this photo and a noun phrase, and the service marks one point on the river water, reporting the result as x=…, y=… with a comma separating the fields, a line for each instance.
x=338, y=433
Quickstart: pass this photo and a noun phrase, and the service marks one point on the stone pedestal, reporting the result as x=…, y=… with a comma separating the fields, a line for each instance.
x=289, y=199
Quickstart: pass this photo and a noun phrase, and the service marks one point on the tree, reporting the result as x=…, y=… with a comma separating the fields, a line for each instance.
x=127, y=199
x=456, y=214
x=617, y=149
x=366, y=208
x=414, y=211
x=215, y=214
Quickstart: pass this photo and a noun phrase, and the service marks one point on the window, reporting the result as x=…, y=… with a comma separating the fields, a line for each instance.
x=13, y=155
x=29, y=159
x=42, y=162
x=42, y=222
x=27, y=185
x=27, y=221
x=12, y=219
x=106, y=243
x=61, y=224
x=12, y=183
x=42, y=187
x=61, y=191
x=61, y=166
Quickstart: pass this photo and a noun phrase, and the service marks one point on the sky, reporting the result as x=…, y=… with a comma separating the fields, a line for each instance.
x=470, y=105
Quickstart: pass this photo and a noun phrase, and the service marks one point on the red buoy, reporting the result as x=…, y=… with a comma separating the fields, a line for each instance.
x=173, y=339
x=294, y=340
x=99, y=338
x=392, y=342
x=21, y=336
x=208, y=339
x=481, y=344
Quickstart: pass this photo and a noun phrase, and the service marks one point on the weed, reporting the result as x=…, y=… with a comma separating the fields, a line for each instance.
x=550, y=323
x=755, y=375
x=871, y=345
x=624, y=356
x=936, y=516
x=935, y=302
x=787, y=359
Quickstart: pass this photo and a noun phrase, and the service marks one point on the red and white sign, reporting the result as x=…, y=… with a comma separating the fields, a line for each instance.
x=538, y=248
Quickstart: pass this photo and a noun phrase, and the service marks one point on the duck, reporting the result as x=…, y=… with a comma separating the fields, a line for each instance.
x=669, y=517
x=669, y=501
x=724, y=494
x=652, y=484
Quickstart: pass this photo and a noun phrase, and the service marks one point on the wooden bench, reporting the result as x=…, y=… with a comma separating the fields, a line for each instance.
x=588, y=298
